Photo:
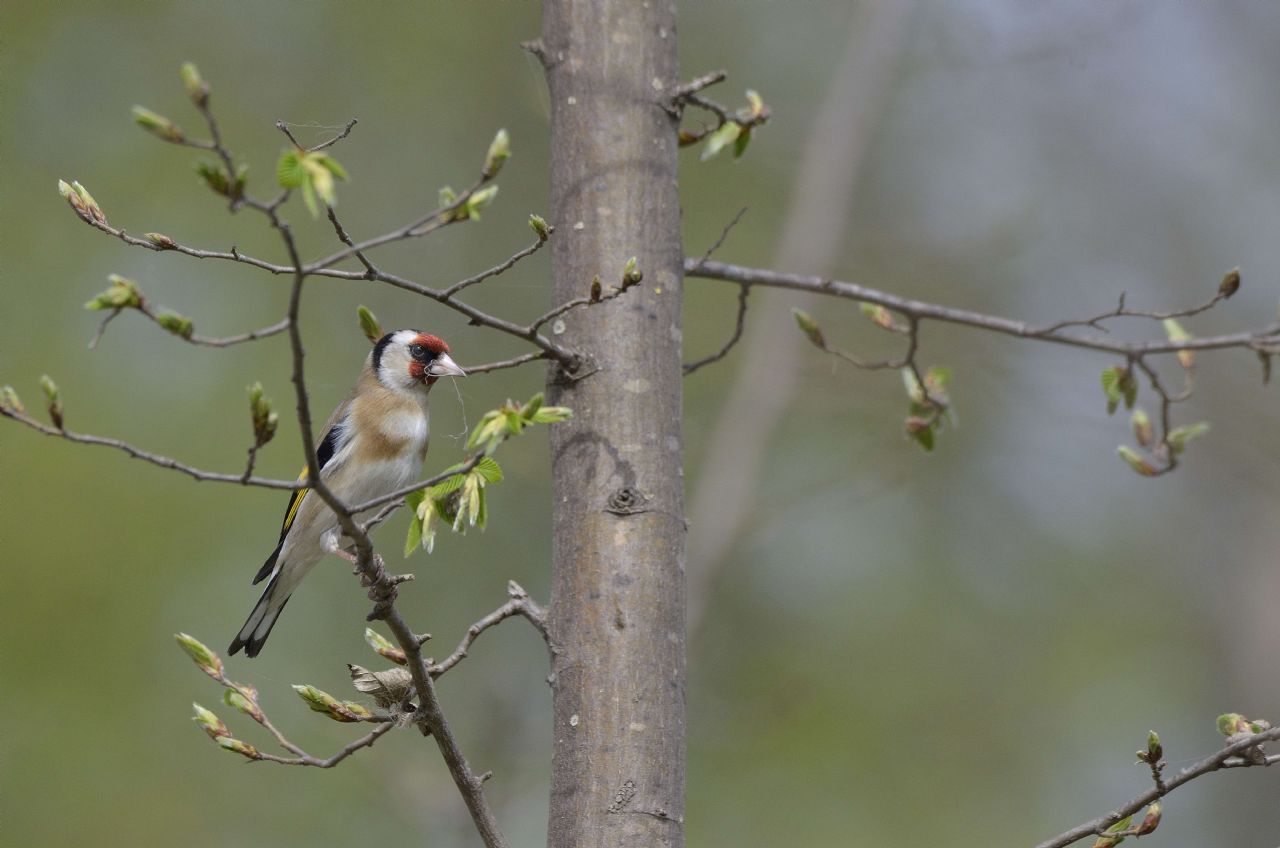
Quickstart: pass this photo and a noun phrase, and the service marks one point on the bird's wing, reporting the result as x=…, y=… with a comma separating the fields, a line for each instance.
x=336, y=435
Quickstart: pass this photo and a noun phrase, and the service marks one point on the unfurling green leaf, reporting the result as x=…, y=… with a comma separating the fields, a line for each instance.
x=717, y=141
x=289, y=169
x=9, y=399
x=499, y=153
x=265, y=420
x=122, y=294
x=1119, y=384
x=477, y=201
x=1135, y=461
x=242, y=748
x=179, y=325
x=1154, y=752
x=209, y=662
x=52, y=399
x=631, y=273
x=215, y=176
x=210, y=723
x=1142, y=429
x=1231, y=723
x=81, y=201
x=1111, y=841
x=369, y=323
x=740, y=143
x=385, y=649
x=755, y=104
x=540, y=226
x=1230, y=283
x=1179, y=436
x=157, y=125
x=1177, y=333
x=322, y=702
x=197, y=88
x=237, y=700
x=809, y=327
x=923, y=431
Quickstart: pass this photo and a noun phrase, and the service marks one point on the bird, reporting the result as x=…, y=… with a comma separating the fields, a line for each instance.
x=374, y=443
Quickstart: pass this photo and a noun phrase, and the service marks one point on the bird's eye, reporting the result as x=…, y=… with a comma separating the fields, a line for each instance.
x=417, y=351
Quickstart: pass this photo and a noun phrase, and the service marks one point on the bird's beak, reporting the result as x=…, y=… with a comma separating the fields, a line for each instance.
x=444, y=366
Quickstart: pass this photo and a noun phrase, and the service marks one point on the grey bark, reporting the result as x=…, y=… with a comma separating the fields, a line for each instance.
x=617, y=614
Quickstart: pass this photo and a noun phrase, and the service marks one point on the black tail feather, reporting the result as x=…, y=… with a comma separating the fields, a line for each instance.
x=247, y=638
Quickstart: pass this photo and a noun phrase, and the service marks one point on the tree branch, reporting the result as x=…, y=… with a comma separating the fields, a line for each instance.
x=921, y=310
x=520, y=605
x=1231, y=756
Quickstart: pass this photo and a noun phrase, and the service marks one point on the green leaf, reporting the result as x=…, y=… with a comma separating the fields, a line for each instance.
x=1179, y=436
x=1135, y=461
x=552, y=414
x=914, y=390
x=740, y=143
x=290, y=172
x=1177, y=333
x=489, y=469
x=717, y=141
x=331, y=165
x=922, y=431
x=1229, y=723
x=369, y=323
x=414, y=540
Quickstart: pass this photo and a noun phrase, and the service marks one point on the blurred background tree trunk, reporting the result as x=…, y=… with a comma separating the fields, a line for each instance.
x=618, y=592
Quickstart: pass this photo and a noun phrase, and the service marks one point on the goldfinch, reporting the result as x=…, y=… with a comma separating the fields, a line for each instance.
x=374, y=443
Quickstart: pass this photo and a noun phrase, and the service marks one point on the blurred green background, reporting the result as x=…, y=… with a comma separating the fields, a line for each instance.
x=888, y=647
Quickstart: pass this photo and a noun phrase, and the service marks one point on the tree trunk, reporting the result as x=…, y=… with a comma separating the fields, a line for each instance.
x=617, y=611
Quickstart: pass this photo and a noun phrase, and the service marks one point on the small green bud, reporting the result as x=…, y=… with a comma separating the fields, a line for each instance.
x=53, y=399
x=809, y=327
x=1179, y=436
x=385, y=649
x=477, y=201
x=1177, y=333
x=878, y=315
x=1142, y=429
x=369, y=323
x=179, y=325
x=123, y=294
x=1155, y=751
x=1230, y=723
x=596, y=290
x=499, y=153
x=9, y=399
x=160, y=240
x=209, y=662
x=540, y=226
x=81, y=201
x=265, y=420
x=322, y=702
x=631, y=273
x=238, y=747
x=239, y=701
x=1151, y=820
x=447, y=196
x=157, y=125
x=1230, y=283
x=210, y=723
x=196, y=87
x=1136, y=462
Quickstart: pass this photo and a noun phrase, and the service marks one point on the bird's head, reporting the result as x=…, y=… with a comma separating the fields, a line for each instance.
x=407, y=359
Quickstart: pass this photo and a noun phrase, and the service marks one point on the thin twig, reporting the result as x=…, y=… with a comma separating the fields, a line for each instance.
x=520, y=605
x=922, y=310
x=371, y=272
x=1231, y=756
x=743, y=293
x=496, y=269
x=148, y=456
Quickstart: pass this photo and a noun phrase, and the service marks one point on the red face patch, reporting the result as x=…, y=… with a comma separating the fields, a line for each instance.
x=435, y=344
x=417, y=370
